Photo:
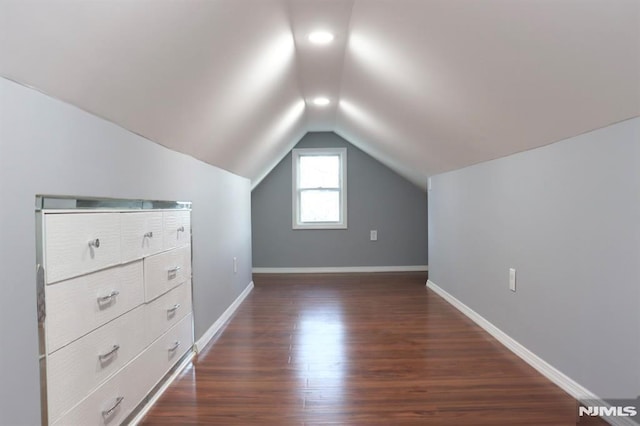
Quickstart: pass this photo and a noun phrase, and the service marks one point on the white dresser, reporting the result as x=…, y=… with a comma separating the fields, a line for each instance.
x=115, y=309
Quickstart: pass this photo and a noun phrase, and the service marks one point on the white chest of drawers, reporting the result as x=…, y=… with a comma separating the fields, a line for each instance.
x=115, y=309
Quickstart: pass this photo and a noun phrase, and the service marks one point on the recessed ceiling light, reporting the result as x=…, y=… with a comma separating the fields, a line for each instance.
x=320, y=37
x=321, y=101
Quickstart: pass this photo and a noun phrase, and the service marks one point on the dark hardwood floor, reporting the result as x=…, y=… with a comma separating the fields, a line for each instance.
x=357, y=349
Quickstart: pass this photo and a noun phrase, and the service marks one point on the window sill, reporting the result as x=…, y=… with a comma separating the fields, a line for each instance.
x=320, y=226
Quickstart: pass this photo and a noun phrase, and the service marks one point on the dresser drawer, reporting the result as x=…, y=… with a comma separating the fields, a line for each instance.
x=78, y=368
x=162, y=355
x=79, y=305
x=167, y=310
x=115, y=399
x=78, y=243
x=124, y=391
x=166, y=270
x=177, y=228
x=141, y=234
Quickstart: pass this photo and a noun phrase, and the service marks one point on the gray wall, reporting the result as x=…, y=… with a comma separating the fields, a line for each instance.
x=47, y=146
x=567, y=217
x=378, y=198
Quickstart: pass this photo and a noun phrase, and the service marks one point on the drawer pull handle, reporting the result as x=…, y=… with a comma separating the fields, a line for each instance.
x=108, y=297
x=108, y=354
x=173, y=308
x=107, y=413
x=149, y=234
x=173, y=272
x=95, y=243
x=175, y=346
x=181, y=229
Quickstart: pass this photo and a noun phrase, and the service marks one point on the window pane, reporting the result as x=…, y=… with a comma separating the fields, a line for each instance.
x=319, y=206
x=319, y=171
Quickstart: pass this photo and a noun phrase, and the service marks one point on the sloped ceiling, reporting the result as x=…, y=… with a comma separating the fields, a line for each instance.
x=425, y=86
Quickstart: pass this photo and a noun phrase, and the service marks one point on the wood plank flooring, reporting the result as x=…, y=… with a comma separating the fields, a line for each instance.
x=357, y=349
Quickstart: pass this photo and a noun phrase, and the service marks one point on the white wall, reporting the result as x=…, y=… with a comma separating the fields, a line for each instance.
x=567, y=217
x=49, y=147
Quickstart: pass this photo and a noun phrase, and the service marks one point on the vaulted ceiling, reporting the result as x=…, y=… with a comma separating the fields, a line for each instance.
x=424, y=86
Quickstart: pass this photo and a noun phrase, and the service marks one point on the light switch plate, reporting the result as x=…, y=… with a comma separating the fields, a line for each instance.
x=512, y=279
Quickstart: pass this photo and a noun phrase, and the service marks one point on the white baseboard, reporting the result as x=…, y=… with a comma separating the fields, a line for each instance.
x=144, y=410
x=216, y=326
x=341, y=269
x=563, y=381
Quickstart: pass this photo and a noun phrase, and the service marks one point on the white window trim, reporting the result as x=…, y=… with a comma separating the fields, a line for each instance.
x=296, y=154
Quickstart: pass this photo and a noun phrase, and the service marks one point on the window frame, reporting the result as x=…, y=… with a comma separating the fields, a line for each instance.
x=296, y=190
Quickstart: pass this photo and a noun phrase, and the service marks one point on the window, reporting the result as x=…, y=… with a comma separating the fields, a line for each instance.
x=320, y=188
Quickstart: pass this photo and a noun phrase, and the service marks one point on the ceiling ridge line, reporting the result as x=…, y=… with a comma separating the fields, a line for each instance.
x=342, y=69
x=297, y=61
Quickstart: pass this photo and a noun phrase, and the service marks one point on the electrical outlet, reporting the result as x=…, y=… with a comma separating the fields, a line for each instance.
x=512, y=279
x=373, y=235
x=235, y=265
